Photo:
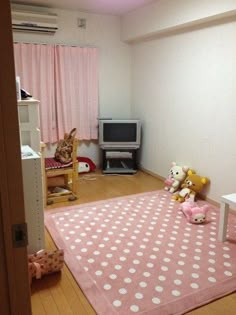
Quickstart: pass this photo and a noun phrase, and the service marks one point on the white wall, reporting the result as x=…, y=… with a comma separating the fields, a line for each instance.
x=166, y=15
x=102, y=31
x=183, y=87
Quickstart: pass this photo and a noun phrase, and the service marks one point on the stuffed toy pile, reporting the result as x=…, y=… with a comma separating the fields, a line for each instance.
x=185, y=185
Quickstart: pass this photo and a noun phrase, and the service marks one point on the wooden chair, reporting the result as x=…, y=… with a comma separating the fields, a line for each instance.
x=69, y=172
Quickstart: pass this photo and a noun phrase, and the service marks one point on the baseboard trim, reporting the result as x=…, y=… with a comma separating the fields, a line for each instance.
x=151, y=173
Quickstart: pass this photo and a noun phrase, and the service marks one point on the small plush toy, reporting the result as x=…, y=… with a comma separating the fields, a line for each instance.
x=193, y=184
x=85, y=165
x=176, y=175
x=193, y=212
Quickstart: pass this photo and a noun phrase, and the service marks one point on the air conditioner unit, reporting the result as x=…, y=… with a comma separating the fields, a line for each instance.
x=37, y=22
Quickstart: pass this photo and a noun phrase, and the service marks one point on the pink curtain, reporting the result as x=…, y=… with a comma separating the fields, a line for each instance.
x=34, y=65
x=76, y=71
x=65, y=80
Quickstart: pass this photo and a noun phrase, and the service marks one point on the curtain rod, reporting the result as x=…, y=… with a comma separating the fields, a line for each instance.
x=56, y=44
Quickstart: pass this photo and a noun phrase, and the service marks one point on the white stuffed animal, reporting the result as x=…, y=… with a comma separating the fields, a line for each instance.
x=176, y=176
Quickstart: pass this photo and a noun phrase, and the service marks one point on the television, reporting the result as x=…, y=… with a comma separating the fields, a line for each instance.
x=119, y=133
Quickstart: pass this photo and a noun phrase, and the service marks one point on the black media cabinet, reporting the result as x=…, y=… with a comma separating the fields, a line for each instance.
x=119, y=161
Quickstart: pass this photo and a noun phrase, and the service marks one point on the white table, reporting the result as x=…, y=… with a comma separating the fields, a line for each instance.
x=227, y=202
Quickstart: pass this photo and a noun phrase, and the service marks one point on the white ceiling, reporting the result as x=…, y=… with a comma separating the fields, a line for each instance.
x=114, y=7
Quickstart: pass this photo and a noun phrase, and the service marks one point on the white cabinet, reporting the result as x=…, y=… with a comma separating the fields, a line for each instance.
x=28, y=113
x=33, y=198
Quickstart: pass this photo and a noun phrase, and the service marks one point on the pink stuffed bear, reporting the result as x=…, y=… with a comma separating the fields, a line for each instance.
x=193, y=212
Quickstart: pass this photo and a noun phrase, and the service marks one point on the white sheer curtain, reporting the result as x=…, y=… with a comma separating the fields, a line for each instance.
x=65, y=80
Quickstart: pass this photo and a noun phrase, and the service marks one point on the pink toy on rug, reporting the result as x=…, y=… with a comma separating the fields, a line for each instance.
x=193, y=212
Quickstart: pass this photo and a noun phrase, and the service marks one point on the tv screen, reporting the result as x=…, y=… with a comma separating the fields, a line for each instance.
x=119, y=133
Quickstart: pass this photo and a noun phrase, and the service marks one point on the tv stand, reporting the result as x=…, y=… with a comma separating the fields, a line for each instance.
x=119, y=161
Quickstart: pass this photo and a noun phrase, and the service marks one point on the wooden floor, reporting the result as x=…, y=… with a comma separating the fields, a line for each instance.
x=59, y=293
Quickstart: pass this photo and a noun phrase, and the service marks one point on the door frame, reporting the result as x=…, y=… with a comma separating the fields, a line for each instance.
x=14, y=284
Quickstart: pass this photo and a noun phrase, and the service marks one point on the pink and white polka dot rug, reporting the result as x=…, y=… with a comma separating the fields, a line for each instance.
x=139, y=255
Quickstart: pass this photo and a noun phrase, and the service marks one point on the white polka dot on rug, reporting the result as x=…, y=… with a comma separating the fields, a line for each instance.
x=146, y=274
x=143, y=284
x=139, y=296
x=158, y=288
x=118, y=267
x=126, y=251
x=117, y=303
x=123, y=291
x=98, y=272
x=211, y=279
x=162, y=278
x=197, y=258
x=136, y=262
x=156, y=300
x=134, y=308
x=226, y=256
x=164, y=268
x=194, y=285
x=179, y=272
x=150, y=265
x=127, y=280
x=176, y=293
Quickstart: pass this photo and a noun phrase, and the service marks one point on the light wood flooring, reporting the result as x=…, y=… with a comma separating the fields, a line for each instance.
x=59, y=293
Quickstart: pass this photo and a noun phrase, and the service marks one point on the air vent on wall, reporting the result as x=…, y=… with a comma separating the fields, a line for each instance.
x=37, y=22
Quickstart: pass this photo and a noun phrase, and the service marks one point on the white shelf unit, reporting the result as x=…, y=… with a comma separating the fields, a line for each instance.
x=33, y=198
x=28, y=113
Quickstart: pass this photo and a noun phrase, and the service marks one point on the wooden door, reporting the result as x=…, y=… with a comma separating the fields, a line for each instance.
x=14, y=287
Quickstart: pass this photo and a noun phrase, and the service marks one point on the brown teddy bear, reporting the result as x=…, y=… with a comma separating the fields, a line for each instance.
x=192, y=185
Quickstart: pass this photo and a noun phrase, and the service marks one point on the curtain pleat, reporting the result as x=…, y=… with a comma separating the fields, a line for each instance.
x=77, y=90
x=65, y=80
x=34, y=65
